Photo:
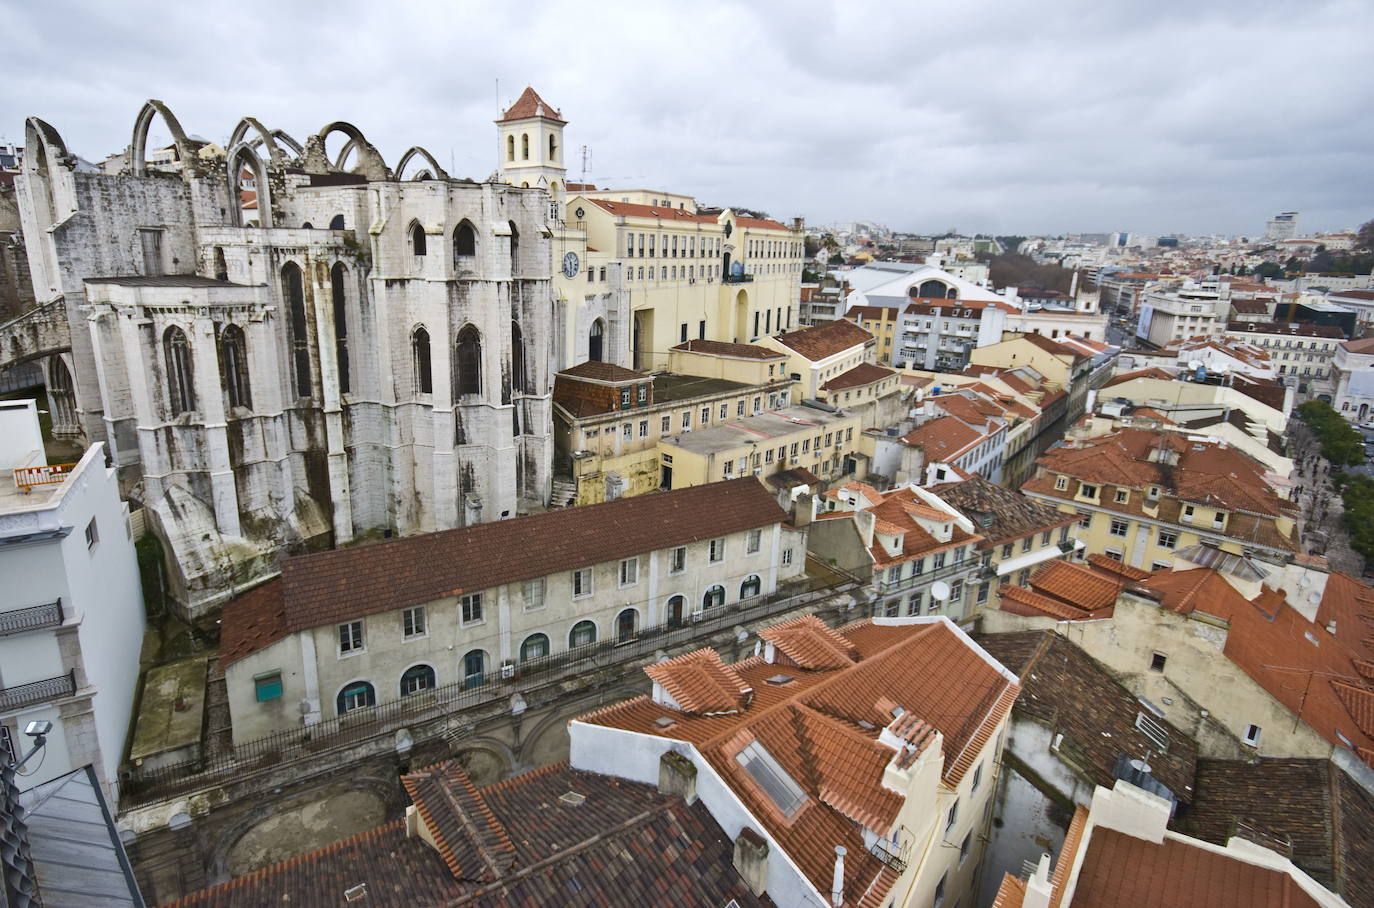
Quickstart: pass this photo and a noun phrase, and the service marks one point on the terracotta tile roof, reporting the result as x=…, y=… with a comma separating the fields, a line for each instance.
x=1011, y=894
x=1348, y=604
x=668, y=213
x=1151, y=372
x=821, y=726
x=346, y=584
x=1000, y=514
x=721, y=348
x=625, y=844
x=823, y=340
x=860, y=375
x=468, y=837
x=607, y=372
x=943, y=438
x=808, y=642
x=1018, y=600
x=1068, y=854
x=1054, y=347
x=1075, y=584
x=700, y=683
x=1121, y=569
x=796, y=476
x=529, y=104
x=1362, y=346
x=1074, y=695
x=899, y=511
x=874, y=313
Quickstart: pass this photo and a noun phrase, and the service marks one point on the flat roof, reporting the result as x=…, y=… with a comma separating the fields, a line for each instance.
x=669, y=387
x=161, y=726
x=750, y=429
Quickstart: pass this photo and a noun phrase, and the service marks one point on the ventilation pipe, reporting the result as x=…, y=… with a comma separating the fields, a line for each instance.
x=837, y=884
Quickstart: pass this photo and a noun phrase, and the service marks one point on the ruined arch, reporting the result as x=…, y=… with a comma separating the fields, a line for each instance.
x=370, y=163
x=265, y=138
x=286, y=139
x=48, y=166
x=434, y=170
x=138, y=147
x=243, y=156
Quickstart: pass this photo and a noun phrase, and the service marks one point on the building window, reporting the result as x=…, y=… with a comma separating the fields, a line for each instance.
x=1026, y=543
x=940, y=890
x=715, y=596
x=1119, y=527
x=983, y=589
x=1087, y=491
x=464, y=242
x=626, y=625
x=716, y=552
x=665, y=425
x=417, y=678
x=420, y=362
x=786, y=557
x=472, y=608
x=938, y=561
x=1158, y=661
x=474, y=668
x=234, y=366
x=536, y=646
x=357, y=695
x=583, y=633
x=532, y=592
x=643, y=428
x=1167, y=540
x=952, y=817
x=417, y=239
x=753, y=541
x=467, y=370
x=1121, y=496
x=92, y=534
x=350, y=638
x=643, y=394
x=1007, y=549
x=1085, y=520
x=677, y=560
x=267, y=686
x=180, y=379
x=629, y=572
x=582, y=583
x=413, y=622
x=750, y=587
x=1252, y=735
x=1114, y=554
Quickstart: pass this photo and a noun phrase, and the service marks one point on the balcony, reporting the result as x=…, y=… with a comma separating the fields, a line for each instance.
x=889, y=854
x=34, y=618
x=22, y=695
x=737, y=279
x=28, y=477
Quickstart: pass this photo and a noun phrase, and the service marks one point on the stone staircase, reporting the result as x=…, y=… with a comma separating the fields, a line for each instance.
x=563, y=493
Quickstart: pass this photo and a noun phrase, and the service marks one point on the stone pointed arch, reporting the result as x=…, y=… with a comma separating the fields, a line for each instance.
x=370, y=163
x=243, y=153
x=285, y=138
x=265, y=138
x=186, y=149
x=435, y=171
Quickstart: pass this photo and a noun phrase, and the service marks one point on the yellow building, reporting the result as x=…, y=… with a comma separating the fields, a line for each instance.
x=882, y=323
x=638, y=271
x=1140, y=496
x=817, y=354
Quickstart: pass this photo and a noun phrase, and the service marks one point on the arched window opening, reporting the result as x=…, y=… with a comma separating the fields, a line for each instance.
x=583, y=633
x=464, y=241
x=417, y=239
x=536, y=646
x=337, y=276
x=510, y=148
x=932, y=290
x=750, y=587
x=474, y=668
x=417, y=678
x=337, y=222
x=468, y=362
x=61, y=399
x=715, y=596
x=419, y=354
x=514, y=247
x=626, y=625
x=357, y=695
x=181, y=391
x=294, y=290
x=524, y=146
x=233, y=364
x=221, y=266
x=307, y=226
x=596, y=341
x=676, y=606
x=553, y=148
x=517, y=359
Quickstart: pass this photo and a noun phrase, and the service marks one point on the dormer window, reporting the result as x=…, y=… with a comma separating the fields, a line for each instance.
x=1061, y=483
x=1121, y=496
x=1086, y=490
x=1154, y=492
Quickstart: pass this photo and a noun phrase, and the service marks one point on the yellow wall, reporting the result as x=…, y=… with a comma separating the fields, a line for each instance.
x=693, y=468
x=745, y=371
x=1018, y=351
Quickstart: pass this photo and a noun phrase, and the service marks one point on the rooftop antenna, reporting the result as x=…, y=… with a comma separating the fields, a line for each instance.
x=586, y=159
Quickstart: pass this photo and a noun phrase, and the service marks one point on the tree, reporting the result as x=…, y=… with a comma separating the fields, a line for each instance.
x=1341, y=444
x=837, y=259
x=1268, y=270
x=1365, y=238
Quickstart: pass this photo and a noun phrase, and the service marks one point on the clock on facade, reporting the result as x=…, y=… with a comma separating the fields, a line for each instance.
x=570, y=265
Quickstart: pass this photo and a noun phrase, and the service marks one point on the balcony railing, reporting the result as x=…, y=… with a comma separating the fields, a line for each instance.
x=22, y=695
x=737, y=278
x=889, y=854
x=34, y=618
x=50, y=474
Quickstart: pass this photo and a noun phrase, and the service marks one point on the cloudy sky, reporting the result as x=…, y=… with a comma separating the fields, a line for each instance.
x=1004, y=117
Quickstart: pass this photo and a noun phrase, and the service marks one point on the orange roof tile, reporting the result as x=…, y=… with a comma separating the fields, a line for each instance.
x=700, y=683
x=529, y=104
x=825, y=339
x=808, y=642
x=1076, y=585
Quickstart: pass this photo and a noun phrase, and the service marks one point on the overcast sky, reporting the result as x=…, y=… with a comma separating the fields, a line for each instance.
x=1003, y=117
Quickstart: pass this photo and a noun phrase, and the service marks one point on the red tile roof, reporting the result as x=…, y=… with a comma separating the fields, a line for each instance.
x=860, y=375
x=826, y=339
x=943, y=439
x=607, y=372
x=668, y=213
x=346, y=584
x=808, y=642
x=722, y=348
x=700, y=683
x=529, y=104
x=1077, y=585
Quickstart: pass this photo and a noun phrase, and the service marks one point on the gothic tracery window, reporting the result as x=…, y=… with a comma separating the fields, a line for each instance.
x=233, y=352
x=468, y=362
x=337, y=276
x=181, y=390
x=294, y=287
x=419, y=349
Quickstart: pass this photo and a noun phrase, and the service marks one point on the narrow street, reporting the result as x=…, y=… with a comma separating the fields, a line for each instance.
x=1320, y=525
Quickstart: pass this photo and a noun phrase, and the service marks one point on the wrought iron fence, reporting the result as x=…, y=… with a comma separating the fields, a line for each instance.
x=33, y=618
x=22, y=695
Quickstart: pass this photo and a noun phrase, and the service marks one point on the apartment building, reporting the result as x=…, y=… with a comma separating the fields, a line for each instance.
x=875, y=394
x=1352, y=371
x=1064, y=367
x=1301, y=354
x=71, y=618
x=817, y=354
x=342, y=631
x=956, y=434
x=882, y=323
x=1193, y=309
x=1141, y=496
x=829, y=758
x=940, y=334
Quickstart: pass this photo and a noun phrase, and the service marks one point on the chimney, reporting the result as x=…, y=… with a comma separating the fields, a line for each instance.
x=837, y=884
x=677, y=775
x=751, y=860
x=803, y=509
x=1038, y=888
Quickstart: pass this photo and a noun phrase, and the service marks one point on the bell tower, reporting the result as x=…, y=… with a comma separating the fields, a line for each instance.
x=530, y=145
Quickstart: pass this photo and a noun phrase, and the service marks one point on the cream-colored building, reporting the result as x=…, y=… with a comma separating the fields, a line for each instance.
x=817, y=354
x=454, y=610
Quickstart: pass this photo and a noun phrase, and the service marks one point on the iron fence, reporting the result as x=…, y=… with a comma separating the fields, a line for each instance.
x=22, y=695
x=33, y=618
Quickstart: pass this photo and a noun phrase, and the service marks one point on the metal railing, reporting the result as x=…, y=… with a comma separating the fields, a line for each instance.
x=49, y=474
x=737, y=279
x=34, y=618
x=140, y=785
x=888, y=853
x=22, y=695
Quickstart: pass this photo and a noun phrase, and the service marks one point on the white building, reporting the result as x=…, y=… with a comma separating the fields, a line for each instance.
x=1194, y=309
x=1352, y=371
x=1282, y=226
x=937, y=334
x=71, y=617
x=898, y=283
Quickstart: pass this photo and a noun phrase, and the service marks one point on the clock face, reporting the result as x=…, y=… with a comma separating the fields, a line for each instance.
x=570, y=265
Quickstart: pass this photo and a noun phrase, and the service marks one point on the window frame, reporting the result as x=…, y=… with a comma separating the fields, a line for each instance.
x=470, y=609
x=357, y=642
x=583, y=583
x=408, y=617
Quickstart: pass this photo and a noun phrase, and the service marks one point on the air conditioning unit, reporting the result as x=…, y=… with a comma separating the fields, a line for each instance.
x=697, y=616
x=507, y=669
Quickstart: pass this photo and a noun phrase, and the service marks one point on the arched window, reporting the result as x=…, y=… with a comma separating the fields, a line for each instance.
x=932, y=290
x=337, y=222
x=583, y=634
x=715, y=596
x=337, y=276
x=536, y=646
x=514, y=247
x=294, y=291
x=417, y=678
x=750, y=587
x=464, y=241
x=467, y=367
x=356, y=695
x=553, y=148
x=626, y=624
x=510, y=148
x=524, y=146
x=676, y=605
x=417, y=239
x=233, y=366
x=419, y=360
x=517, y=359
x=307, y=226
x=595, y=341
x=474, y=668
x=221, y=266
x=181, y=389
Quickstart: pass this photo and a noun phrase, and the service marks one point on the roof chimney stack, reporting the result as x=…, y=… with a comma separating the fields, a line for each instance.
x=837, y=885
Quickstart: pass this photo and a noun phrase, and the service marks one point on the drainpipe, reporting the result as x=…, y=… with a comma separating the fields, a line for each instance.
x=837, y=885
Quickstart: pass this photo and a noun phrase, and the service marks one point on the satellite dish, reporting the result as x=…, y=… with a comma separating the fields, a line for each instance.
x=940, y=590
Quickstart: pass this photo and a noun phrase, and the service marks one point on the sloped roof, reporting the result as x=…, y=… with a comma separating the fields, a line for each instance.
x=824, y=340
x=808, y=642
x=701, y=683
x=943, y=438
x=606, y=372
x=529, y=104
x=1012, y=514
x=860, y=375
x=722, y=348
x=468, y=837
x=1075, y=584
